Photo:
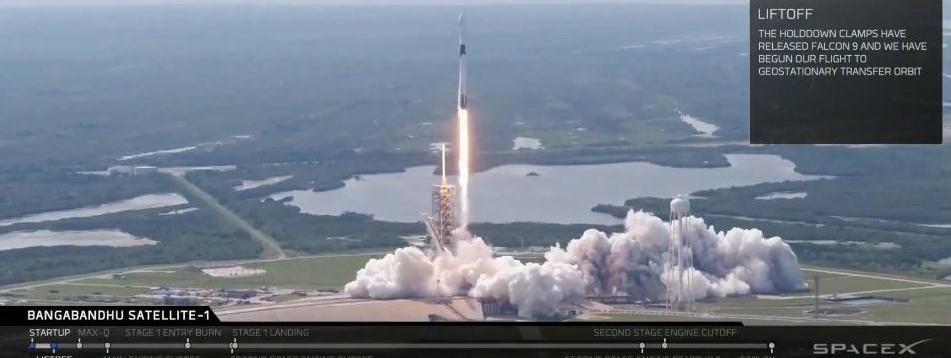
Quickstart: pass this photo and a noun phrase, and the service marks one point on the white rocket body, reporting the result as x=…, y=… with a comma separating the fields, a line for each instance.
x=463, y=100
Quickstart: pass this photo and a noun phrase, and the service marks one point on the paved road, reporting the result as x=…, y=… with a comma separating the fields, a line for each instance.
x=272, y=248
x=879, y=277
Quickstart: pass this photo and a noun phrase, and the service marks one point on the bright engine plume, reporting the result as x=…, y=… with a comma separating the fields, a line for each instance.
x=463, y=167
x=463, y=140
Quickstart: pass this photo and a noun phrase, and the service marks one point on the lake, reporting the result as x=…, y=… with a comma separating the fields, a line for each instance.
x=559, y=194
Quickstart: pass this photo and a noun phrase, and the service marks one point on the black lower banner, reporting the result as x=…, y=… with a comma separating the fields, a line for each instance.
x=167, y=332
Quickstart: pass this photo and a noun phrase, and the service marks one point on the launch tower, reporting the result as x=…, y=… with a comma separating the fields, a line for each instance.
x=679, y=258
x=442, y=219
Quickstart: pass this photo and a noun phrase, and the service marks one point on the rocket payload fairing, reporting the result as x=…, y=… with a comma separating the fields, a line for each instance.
x=463, y=90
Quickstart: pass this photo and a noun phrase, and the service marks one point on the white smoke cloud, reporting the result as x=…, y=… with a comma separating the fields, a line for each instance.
x=407, y=272
x=632, y=263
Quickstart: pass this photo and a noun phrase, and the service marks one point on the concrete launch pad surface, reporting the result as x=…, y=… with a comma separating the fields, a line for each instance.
x=343, y=308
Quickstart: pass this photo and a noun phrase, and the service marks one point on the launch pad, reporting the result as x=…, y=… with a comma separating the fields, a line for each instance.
x=442, y=220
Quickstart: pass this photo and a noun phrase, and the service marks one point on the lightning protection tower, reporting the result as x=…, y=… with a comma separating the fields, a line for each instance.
x=442, y=219
x=679, y=258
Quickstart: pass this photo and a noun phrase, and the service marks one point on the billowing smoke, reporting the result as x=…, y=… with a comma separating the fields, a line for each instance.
x=630, y=263
x=738, y=261
x=535, y=289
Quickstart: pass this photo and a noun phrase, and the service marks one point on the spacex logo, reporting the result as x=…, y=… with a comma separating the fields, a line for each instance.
x=866, y=348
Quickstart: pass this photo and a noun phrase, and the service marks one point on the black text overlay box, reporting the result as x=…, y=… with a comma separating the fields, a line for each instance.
x=845, y=71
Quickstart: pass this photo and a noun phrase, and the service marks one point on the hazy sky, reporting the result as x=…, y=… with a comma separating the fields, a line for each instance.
x=340, y=2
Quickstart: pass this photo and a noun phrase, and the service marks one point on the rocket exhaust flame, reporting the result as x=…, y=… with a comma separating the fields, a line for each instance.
x=443, y=166
x=463, y=167
x=463, y=140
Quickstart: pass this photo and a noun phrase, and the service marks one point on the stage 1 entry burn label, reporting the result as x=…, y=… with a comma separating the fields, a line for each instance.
x=845, y=71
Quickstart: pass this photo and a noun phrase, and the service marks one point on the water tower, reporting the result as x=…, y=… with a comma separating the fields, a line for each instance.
x=679, y=265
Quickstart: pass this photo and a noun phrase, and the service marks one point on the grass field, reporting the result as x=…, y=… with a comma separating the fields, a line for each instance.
x=847, y=284
x=58, y=292
x=925, y=306
x=922, y=302
x=932, y=305
x=326, y=272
